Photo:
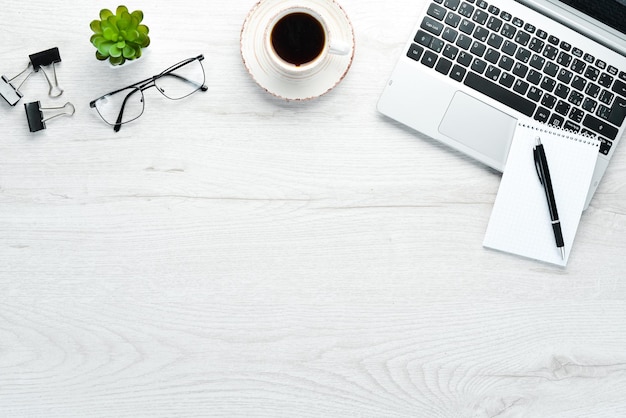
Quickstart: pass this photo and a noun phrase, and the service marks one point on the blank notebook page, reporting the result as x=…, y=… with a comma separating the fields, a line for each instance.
x=520, y=221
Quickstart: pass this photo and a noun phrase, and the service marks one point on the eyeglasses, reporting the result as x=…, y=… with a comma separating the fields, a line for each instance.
x=127, y=104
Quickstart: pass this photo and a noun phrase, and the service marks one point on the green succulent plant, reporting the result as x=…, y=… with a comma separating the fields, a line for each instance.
x=119, y=37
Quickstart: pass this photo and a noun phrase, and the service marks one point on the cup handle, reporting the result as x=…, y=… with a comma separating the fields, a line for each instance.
x=339, y=48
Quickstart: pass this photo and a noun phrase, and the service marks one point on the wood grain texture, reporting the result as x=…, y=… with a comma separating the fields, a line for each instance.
x=236, y=255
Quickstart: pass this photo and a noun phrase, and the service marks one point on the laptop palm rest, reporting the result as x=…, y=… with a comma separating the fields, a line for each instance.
x=482, y=128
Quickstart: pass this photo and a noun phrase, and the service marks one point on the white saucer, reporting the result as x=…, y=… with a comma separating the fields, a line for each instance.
x=303, y=88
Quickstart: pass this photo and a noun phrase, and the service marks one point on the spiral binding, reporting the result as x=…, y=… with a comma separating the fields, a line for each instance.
x=562, y=132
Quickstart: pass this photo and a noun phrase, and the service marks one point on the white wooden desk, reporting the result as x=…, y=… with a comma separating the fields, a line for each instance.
x=232, y=254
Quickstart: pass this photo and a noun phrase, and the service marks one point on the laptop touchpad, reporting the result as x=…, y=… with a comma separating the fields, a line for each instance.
x=479, y=126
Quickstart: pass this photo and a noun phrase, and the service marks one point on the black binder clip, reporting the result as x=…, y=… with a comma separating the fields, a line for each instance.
x=36, y=120
x=43, y=59
x=51, y=56
x=8, y=91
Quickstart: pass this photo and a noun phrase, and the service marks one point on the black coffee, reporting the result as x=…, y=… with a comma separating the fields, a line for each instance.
x=298, y=38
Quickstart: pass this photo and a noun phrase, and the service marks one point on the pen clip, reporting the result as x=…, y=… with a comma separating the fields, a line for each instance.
x=536, y=158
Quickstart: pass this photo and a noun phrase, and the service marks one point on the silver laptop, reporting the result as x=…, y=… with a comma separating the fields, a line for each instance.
x=471, y=68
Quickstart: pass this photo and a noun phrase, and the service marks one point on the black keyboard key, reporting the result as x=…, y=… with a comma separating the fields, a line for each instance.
x=467, y=27
x=553, y=40
x=415, y=52
x=500, y=94
x=478, y=48
x=562, y=91
x=520, y=86
x=453, y=19
x=592, y=90
x=463, y=41
x=542, y=115
x=564, y=59
x=482, y=4
x=506, y=63
x=466, y=10
x=556, y=120
x=577, y=52
x=578, y=66
x=579, y=83
x=603, y=112
x=429, y=59
x=605, y=146
x=505, y=16
x=493, y=73
x=548, y=100
x=601, y=127
x=481, y=34
x=576, y=115
x=520, y=70
x=537, y=61
x=571, y=126
x=451, y=4
x=457, y=73
x=605, y=80
x=480, y=17
x=542, y=34
x=450, y=51
x=601, y=64
x=565, y=46
x=522, y=55
x=423, y=38
x=436, y=11
x=565, y=76
x=529, y=28
x=464, y=58
x=575, y=98
x=619, y=87
x=589, y=58
x=522, y=38
x=550, y=52
x=589, y=105
x=536, y=45
x=534, y=93
x=622, y=75
x=551, y=69
x=618, y=111
x=443, y=66
x=492, y=56
x=509, y=48
x=506, y=80
x=449, y=34
x=518, y=22
x=534, y=77
x=436, y=44
x=548, y=84
x=494, y=10
x=431, y=25
x=592, y=73
x=495, y=40
x=508, y=31
x=606, y=97
x=562, y=107
x=478, y=65
x=494, y=23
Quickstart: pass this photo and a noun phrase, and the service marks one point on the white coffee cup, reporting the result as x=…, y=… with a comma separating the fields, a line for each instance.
x=297, y=41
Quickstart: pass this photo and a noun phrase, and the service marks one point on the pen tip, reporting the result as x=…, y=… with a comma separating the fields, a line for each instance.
x=563, y=253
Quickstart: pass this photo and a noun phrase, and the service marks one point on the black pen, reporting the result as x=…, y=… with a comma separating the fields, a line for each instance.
x=541, y=164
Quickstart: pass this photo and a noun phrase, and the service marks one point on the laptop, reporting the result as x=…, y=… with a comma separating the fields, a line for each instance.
x=471, y=68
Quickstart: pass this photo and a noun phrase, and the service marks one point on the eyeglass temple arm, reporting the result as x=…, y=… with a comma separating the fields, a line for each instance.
x=118, y=122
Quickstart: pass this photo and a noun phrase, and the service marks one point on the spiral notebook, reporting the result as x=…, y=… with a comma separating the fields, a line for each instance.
x=520, y=221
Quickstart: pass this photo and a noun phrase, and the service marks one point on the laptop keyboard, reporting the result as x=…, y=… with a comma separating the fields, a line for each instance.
x=523, y=67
